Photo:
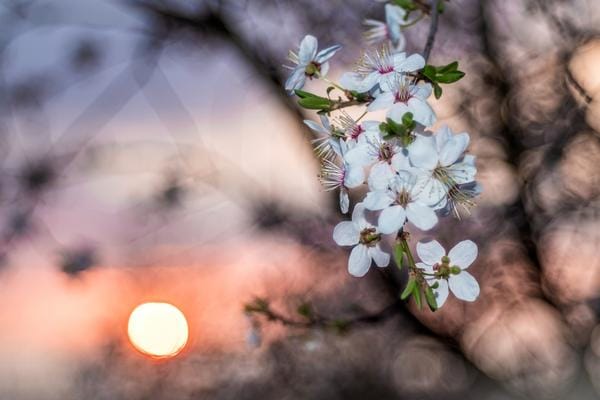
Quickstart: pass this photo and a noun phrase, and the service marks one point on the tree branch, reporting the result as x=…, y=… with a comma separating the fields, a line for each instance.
x=433, y=27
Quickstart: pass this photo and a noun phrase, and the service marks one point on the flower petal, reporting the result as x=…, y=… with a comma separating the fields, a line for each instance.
x=453, y=149
x=316, y=127
x=327, y=53
x=463, y=254
x=462, y=172
x=391, y=219
x=421, y=216
x=380, y=176
x=359, y=155
x=411, y=63
x=381, y=258
x=442, y=136
x=422, y=111
x=359, y=261
x=423, y=91
x=431, y=252
x=355, y=176
x=464, y=286
x=441, y=293
x=378, y=200
x=308, y=49
x=382, y=102
x=344, y=201
x=422, y=152
x=295, y=80
x=346, y=233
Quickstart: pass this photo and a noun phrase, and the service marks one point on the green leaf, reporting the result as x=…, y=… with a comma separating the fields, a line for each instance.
x=315, y=103
x=450, y=77
x=407, y=119
x=408, y=5
x=437, y=90
x=398, y=255
x=430, y=297
x=410, y=287
x=302, y=94
x=417, y=297
x=429, y=71
x=453, y=66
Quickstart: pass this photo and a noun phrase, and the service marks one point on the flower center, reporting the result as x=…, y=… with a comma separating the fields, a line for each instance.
x=385, y=69
x=386, y=152
x=369, y=237
x=403, y=198
x=356, y=131
x=312, y=69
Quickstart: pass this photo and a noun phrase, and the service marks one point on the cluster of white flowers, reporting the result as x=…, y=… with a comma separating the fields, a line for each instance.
x=411, y=175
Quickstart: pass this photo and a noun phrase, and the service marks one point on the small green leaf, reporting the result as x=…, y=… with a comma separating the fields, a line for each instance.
x=453, y=66
x=398, y=255
x=430, y=297
x=450, y=77
x=429, y=71
x=315, y=103
x=410, y=286
x=408, y=5
x=302, y=94
x=407, y=119
x=437, y=91
x=417, y=297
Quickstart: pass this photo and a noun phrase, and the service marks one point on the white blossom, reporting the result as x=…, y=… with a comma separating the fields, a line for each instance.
x=449, y=271
x=379, y=69
x=402, y=200
x=379, y=31
x=365, y=238
x=441, y=157
x=309, y=62
x=405, y=96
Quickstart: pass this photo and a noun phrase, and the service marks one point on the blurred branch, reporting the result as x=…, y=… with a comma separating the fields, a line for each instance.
x=433, y=27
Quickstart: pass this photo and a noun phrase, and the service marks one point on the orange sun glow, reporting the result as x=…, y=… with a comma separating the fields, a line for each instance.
x=157, y=329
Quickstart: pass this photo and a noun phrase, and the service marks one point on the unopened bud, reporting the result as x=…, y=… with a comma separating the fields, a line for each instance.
x=311, y=69
x=455, y=270
x=445, y=260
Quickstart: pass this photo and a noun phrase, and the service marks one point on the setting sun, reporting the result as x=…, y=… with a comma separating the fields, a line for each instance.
x=158, y=329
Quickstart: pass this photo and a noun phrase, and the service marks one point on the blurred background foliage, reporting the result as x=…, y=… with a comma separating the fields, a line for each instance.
x=149, y=150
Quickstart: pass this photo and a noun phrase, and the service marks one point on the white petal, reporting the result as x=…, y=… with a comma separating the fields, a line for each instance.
x=382, y=102
x=316, y=127
x=359, y=261
x=453, y=149
x=308, y=49
x=295, y=80
x=422, y=152
x=464, y=286
x=463, y=254
x=358, y=216
x=381, y=258
x=355, y=176
x=397, y=112
x=327, y=53
x=391, y=219
x=346, y=233
x=380, y=176
x=431, y=252
x=351, y=81
x=421, y=216
x=441, y=293
x=432, y=192
x=462, y=172
x=400, y=162
x=324, y=69
x=422, y=111
x=344, y=201
x=412, y=63
x=442, y=136
x=426, y=267
x=423, y=91
x=378, y=200
x=359, y=155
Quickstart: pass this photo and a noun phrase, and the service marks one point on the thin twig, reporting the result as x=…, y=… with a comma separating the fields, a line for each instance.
x=432, y=29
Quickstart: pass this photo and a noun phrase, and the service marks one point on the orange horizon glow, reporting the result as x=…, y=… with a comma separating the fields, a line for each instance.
x=158, y=330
